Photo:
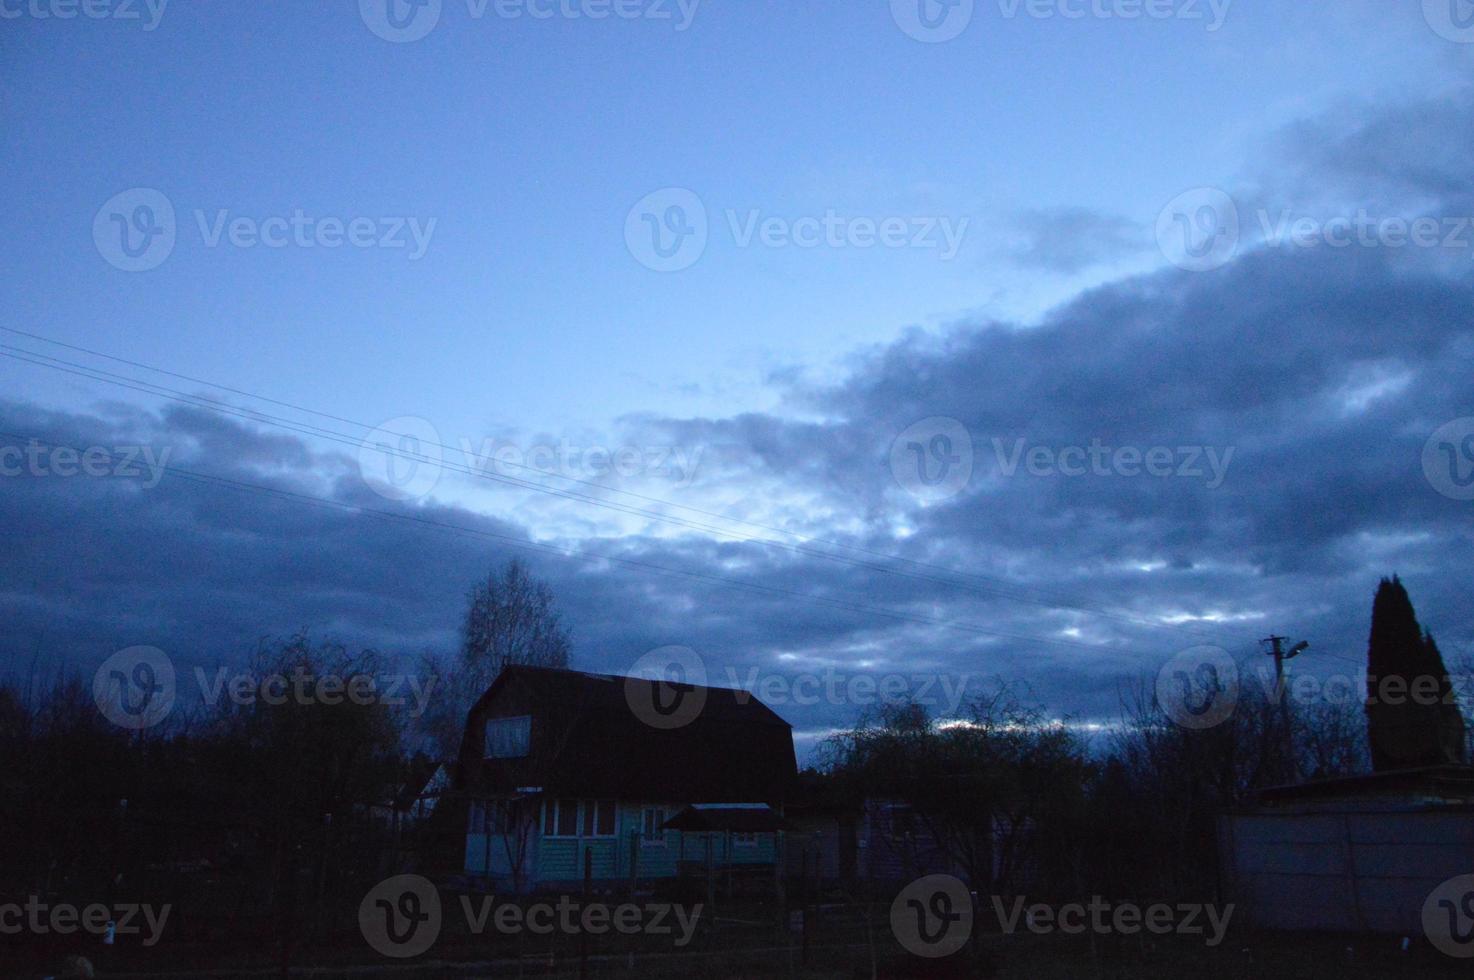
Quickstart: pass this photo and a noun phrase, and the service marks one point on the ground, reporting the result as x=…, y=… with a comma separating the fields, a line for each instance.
x=746, y=944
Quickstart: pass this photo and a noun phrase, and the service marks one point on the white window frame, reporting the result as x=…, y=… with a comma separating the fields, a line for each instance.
x=551, y=807
x=646, y=839
x=594, y=805
x=581, y=808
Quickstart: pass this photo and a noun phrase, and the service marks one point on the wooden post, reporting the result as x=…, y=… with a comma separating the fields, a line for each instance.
x=731, y=864
x=483, y=807
x=711, y=879
x=804, y=908
x=780, y=870
x=583, y=934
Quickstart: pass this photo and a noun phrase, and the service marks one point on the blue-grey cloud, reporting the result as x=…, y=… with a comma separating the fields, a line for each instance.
x=1322, y=371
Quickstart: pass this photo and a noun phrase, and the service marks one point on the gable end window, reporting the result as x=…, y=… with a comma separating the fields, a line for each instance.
x=509, y=738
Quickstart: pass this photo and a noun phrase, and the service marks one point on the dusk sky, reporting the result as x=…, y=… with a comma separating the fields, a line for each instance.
x=1169, y=300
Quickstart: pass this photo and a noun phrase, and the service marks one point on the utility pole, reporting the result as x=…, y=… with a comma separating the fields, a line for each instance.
x=1276, y=648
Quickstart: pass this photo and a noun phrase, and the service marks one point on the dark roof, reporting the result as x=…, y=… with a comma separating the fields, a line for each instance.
x=1432, y=785
x=588, y=741
x=755, y=818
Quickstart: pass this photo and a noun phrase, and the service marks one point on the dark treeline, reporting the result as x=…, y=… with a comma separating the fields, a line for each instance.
x=259, y=818
x=244, y=817
x=262, y=823
x=1021, y=804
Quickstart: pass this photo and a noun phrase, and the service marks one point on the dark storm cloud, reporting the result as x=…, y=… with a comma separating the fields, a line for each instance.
x=1322, y=371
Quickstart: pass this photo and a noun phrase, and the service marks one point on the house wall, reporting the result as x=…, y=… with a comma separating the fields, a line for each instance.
x=500, y=852
x=1356, y=870
x=559, y=860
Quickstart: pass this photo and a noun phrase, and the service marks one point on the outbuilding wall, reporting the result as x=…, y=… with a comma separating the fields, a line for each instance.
x=1347, y=870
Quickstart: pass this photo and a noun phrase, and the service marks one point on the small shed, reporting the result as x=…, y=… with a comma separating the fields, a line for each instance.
x=721, y=830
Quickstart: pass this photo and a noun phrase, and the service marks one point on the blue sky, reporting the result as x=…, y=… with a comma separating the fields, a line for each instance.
x=1051, y=144
x=528, y=142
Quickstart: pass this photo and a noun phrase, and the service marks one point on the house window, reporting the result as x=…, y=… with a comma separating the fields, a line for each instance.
x=560, y=818
x=578, y=818
x=652, y=818
x=598, y=818
x=744, y=838
x=508, y=738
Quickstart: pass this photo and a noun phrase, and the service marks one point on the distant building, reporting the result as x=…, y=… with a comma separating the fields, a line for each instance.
x=1359, y=854
x=838, y=835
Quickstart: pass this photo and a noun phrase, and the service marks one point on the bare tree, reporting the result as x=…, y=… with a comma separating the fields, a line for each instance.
x=1330, y=739
x=511, y=620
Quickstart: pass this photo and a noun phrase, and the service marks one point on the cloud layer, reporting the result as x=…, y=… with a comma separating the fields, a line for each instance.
x=1314, y=376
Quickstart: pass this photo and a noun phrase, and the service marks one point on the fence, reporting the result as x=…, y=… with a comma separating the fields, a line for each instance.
x=1352, y=870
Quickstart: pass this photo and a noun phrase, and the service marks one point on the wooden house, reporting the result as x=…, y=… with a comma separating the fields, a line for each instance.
x=560, y=776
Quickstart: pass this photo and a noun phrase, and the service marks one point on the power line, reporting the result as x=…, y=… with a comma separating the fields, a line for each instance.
x=1063, y=603
x=209, y=404
x=312, y=500
x=307, y=429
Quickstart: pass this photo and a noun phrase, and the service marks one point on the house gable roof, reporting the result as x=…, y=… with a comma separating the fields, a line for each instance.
x=588, y=741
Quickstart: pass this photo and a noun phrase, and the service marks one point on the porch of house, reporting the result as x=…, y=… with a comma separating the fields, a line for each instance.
x=736, y=846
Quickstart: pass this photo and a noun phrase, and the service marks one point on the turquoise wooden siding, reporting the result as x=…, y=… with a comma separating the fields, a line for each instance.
x=560, y=859
x=477, y=853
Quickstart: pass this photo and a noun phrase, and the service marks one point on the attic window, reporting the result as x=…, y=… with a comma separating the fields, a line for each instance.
x=508, y=738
